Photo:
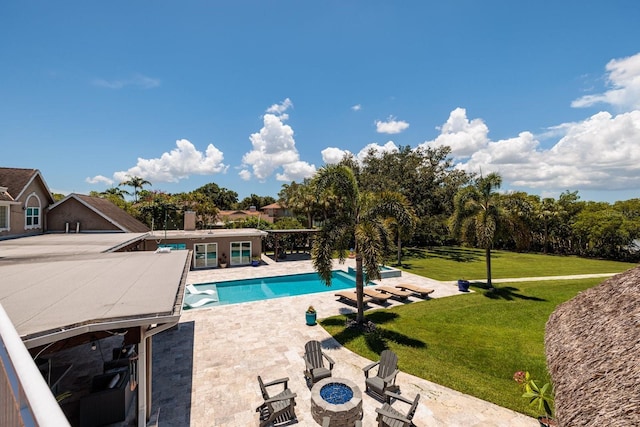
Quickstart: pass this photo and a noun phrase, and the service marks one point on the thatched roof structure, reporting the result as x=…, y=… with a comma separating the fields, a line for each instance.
x=593, y=354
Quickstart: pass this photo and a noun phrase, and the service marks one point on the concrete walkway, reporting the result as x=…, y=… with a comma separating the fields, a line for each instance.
x=205, y=369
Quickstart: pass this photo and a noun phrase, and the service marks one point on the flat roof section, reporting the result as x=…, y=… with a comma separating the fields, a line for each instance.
x=47, y=295
x=62, y=245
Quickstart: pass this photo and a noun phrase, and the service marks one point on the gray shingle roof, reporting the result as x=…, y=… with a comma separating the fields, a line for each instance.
x=15, y=179
x=109, y=211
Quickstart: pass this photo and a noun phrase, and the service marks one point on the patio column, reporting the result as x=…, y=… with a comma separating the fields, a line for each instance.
x=142, y=381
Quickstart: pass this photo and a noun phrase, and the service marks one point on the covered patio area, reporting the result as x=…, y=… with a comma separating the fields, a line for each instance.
x=87, y=314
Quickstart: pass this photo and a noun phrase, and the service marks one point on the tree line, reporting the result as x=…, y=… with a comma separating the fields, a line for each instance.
x=450, y=206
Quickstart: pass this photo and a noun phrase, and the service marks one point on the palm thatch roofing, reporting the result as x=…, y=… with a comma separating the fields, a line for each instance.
x=593, y=353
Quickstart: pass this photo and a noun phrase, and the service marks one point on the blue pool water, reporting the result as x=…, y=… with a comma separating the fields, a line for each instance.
x=237, y=291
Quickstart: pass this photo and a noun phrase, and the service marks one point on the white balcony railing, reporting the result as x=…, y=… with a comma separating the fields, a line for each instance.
x=25, y=398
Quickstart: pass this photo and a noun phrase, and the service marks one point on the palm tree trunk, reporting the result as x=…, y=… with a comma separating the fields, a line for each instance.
x=487, y=255
x=399, y=250
x=359, y=287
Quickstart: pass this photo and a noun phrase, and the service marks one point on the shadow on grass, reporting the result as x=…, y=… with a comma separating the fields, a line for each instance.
x=378, y=339
x=507, y=293
x=457, y=254
x=412, y=253
x=446, y=253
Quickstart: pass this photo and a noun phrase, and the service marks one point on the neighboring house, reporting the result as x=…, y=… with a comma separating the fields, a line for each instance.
x=24, y=199
x=27, y=207
x=275, y=211
x=78, y=213
x=240, y=214
x=270, y=213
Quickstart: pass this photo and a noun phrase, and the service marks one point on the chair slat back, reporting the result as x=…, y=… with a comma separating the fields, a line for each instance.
x=313, y=353
x=388, y=363
x=263, y=389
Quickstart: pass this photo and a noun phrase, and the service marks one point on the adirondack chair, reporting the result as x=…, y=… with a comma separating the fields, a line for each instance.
x=390, y=417
x=385, y=378
x=276, y=408
x=315, y=369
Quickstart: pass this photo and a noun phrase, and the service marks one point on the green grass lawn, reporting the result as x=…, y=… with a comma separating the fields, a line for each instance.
x=452, y=263
x=471, y=343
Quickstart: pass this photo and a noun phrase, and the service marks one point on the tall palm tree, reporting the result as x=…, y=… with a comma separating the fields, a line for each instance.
x=358, y=221
x=477, y=215
x=116, y=192
x=137, y=183
x=303, y=200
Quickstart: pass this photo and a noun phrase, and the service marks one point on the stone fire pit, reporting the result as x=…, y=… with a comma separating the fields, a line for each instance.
x=336, y=398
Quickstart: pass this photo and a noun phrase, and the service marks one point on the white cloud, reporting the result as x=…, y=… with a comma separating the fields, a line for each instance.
x=274, y=147
x=178, y=164
x=599, y=153
x=278, y=109
x=464, y=136
x=391, y=126
x=245, y=175
x=138, y=80
x=99, y=179
x=296, y=171
x=624, y=81
x=333, y=155
x=389, y=147
x=357, y=107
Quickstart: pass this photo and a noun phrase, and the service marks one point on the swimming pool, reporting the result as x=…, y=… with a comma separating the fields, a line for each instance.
x=237, y=291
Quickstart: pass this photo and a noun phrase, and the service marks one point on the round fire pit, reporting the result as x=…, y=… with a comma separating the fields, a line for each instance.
x=336, y=398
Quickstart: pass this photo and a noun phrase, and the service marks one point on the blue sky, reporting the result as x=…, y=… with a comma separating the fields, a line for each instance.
x=254, y=94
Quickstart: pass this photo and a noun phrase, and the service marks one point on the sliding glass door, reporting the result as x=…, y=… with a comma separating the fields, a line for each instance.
x=240, y=253
x=205, y=255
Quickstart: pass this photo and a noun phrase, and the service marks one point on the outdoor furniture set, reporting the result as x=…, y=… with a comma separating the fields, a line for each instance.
x=381, y=294
x=337, y=402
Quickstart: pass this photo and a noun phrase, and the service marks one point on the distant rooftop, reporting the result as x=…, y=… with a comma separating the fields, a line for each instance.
x=227, y=232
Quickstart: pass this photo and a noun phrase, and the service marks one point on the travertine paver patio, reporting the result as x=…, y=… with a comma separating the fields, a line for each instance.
x=205, y=369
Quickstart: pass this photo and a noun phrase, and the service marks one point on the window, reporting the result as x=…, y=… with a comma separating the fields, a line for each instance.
x=32, y=212
x=33, y=217
x=4, y=217
x=174, y=246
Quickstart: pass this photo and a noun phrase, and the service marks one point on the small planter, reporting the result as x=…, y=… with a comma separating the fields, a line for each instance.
x=310, y=315
x=311, y=318
x=255, y=262
x=463, y=285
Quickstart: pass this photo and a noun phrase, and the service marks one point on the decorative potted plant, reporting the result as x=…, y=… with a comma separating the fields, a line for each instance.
x=540, y=397
x=310, y=315
x=463, y=285
x=222, y=261
x=255, y=261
